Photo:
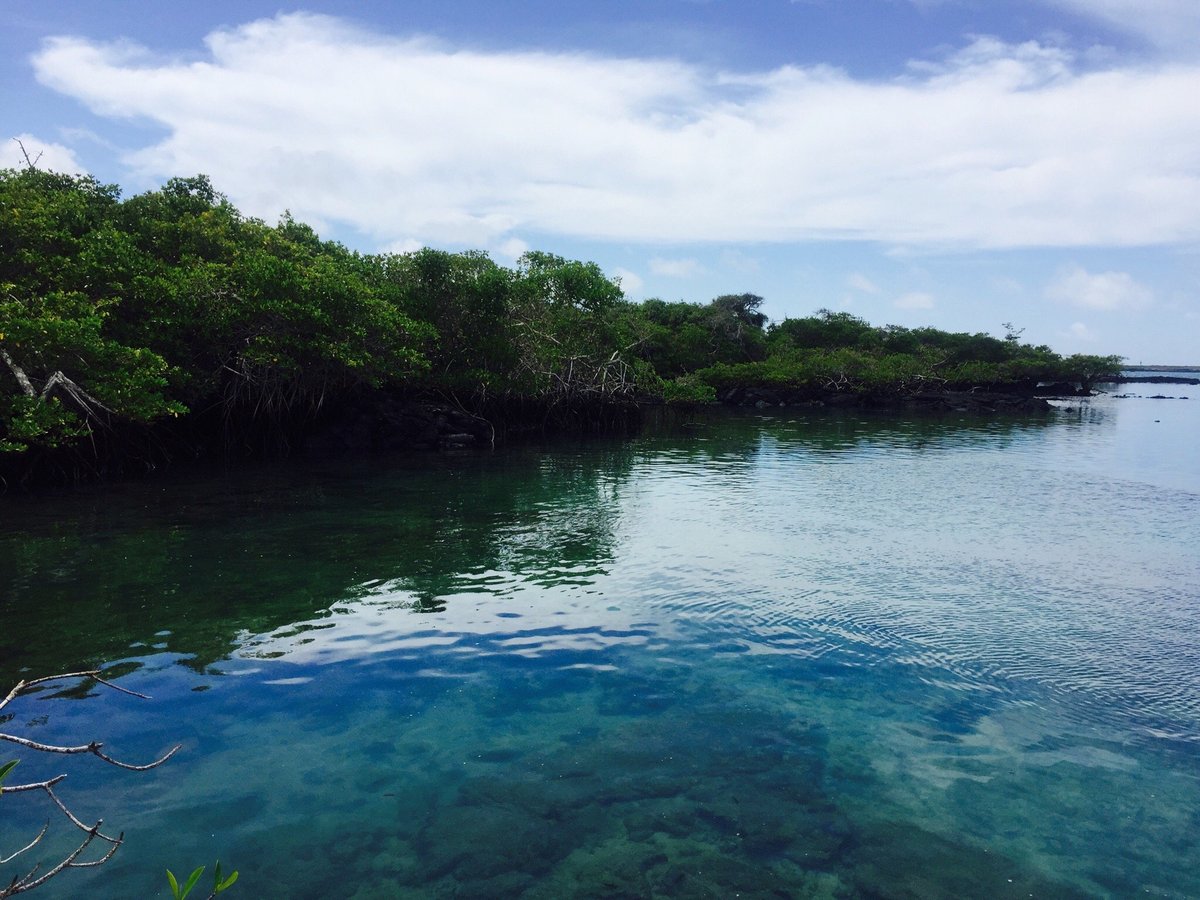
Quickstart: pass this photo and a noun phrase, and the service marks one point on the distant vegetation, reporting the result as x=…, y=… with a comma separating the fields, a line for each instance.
x=170, y=318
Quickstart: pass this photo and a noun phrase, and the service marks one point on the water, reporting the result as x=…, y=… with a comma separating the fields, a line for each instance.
x=755, y=655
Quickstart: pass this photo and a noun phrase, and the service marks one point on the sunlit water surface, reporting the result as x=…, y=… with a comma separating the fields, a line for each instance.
x=775, y=655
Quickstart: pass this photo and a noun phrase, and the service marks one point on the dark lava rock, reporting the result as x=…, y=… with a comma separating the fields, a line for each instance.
x=1151, y=379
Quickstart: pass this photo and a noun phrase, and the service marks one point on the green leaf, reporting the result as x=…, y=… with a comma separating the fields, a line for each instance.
x=219, y=884
x=191, y=882
x=227, y=882
x=174, y=884
x=6, y=768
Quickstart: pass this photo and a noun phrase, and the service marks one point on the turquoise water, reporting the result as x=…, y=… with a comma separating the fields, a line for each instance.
x=772, y=655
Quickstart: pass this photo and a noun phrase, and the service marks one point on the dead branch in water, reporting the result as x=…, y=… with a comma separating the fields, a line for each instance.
x=36, y=877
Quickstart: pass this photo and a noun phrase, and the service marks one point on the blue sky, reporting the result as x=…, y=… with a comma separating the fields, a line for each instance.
x=957, y=163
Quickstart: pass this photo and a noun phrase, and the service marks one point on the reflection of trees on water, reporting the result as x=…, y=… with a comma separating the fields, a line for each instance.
x=188, y=567
x=723, y=433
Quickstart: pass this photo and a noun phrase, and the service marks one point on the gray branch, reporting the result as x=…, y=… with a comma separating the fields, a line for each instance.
x=32, y=879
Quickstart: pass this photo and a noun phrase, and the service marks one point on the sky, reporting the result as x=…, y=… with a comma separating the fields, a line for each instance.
x=964, y=164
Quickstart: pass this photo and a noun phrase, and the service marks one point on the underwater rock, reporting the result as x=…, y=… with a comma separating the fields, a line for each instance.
x=903, y=860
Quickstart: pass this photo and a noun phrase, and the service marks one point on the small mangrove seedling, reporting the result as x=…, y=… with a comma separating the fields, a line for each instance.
x=219, y=884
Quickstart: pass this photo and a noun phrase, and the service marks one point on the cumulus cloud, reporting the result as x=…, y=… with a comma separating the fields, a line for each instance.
x=404, y=245
x=1076, y=286
x=45, y=154
x=996, y=145
x=860, y=282
x=675, y=268
x=915, y=300
x=512, y=248
x=1172, y=24
x=631, y=282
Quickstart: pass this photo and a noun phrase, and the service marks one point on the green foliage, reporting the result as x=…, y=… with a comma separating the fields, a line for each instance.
x=823, y=331
x=831, y=350
x=219, y=883
x=305, y=324
x=465, y=300
x=179, y=892
x=270, y=321
x=567, y=320
x=6, y=770
x=126, y=312
x=61, y=262
x=66, y=374
x=1088, y=369
x=687, y=390
x=679, y=338
x=673, y=338
x=564, y=284
x=737, y=325
x=171, y=303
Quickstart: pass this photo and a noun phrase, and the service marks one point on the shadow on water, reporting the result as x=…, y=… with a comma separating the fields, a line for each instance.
x=187, y=566
x=824, y=430
x=189, y=562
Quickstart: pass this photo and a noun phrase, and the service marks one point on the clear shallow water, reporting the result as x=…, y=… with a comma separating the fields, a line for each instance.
x=762, y=656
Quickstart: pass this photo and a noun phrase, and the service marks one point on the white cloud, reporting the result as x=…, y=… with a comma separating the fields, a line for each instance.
x=675, y=268
x=631, y=282
x=995, y=146
x=915, y=300
x=404, y=245
x=860, y=282
x=1080, y=332
x=45, y=155
x=512, y=248
x=1172, y=24
x=1104, y=291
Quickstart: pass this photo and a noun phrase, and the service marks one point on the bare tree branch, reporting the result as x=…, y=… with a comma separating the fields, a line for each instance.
x=93, y=748
x=19, y=374
x=23, y=686
x=31, y=163
x=41, y=834
x=29, y=881
x=85, y=401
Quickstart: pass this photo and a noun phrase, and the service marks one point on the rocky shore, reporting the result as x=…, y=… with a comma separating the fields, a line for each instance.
x=1151, y=379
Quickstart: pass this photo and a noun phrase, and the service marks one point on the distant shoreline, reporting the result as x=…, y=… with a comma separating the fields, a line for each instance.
x=1152, y=379
x=1161, y=368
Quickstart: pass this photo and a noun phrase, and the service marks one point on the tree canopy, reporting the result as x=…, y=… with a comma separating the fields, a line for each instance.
x=118, y=314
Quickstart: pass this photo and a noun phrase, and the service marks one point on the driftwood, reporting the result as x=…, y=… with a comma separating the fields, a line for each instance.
x=91, y=833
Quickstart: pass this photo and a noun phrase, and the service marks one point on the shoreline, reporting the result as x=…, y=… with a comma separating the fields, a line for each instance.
x=1153, y=379
x=972, y=400
x=377, y=423
x=1195, y=369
